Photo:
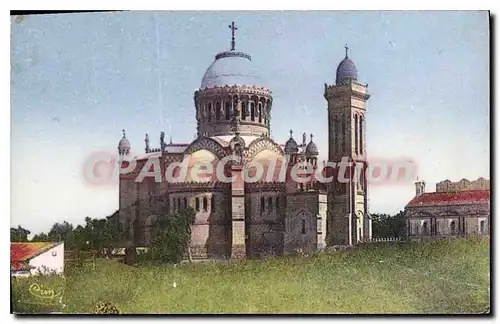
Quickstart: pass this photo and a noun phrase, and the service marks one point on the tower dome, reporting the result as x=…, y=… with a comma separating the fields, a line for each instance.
x=291, y=146
x=232, y=97
x=124, y=145
x=231, y=68
x=346, y=69
x=311, y=149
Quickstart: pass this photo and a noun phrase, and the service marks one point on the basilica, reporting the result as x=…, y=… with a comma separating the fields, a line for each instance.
x=271, y=216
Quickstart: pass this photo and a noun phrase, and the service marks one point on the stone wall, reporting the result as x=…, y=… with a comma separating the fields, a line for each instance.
x=210, y=234
x=338, y=223
x=301, y=232
x=264, y=222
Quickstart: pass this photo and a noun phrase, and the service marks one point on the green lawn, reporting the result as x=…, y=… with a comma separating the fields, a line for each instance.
x=435, y=277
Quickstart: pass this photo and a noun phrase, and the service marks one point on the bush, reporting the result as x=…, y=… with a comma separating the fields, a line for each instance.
x=103, y=307
x=171, y=241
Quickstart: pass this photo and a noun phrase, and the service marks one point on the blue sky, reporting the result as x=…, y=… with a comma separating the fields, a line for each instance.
x=78, y=79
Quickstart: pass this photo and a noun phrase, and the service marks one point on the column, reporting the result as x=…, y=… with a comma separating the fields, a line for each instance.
x=238, y=213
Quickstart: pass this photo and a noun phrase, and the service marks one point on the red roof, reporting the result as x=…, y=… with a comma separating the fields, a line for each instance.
x=21, y=253
x=451, y=198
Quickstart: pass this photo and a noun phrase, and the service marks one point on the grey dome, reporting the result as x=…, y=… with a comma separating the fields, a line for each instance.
x=346, y=70
x=231, y=68
x=311, y=149
x=291, y=146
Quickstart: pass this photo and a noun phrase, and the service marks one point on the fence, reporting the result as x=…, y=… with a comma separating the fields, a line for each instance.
x=393, y=239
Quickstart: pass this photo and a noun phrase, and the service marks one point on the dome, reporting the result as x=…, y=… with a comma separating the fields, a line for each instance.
x=124, y=144
x=291, y=146
x=311, y=149
x=346, y=70
x=230, y=68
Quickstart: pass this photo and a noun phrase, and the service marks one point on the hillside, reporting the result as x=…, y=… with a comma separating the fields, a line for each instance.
x=435, y=277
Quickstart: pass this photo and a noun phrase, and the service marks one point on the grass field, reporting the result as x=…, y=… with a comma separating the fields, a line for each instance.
x=434, y=277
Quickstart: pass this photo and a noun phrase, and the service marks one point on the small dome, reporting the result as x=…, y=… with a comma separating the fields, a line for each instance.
x=311, y=149
x=230, y=68
x=346, y=70
x=291, y=146
x=124, y=144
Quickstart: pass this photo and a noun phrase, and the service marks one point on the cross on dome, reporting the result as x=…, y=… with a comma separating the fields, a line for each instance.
x=233, y=29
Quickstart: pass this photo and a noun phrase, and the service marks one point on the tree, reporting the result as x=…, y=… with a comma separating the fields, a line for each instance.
x=100, y=234
x=41, y=237
x=384, y=225
x=173, y=237
x=19, y=234
x=80, y=238
x=62, y=232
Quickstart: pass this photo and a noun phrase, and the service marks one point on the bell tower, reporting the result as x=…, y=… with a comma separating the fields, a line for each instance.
x=348, y=219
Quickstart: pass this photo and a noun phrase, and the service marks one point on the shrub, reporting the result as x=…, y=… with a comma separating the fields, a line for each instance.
x=103, y=307
x=172, y=240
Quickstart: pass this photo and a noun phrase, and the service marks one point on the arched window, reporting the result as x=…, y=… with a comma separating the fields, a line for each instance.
x=482, y=227
x=453, y=229
x=252, y=111
x=212, y=203
x=361, y=134
x=243, y=110
x=178, y=203
x=260, y=112
x=270, y=204
x=425, y=229
x=303, y=226
x=205, y=204
x=228, y=110
x=217, y=111
x=356, y=147
x=262, y=204
x=185, y=202
x=209, y=112
x=277, y=202
x=197, y=204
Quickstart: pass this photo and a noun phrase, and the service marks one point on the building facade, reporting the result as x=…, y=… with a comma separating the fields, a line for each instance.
x=454, y=209
x=270, y=215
